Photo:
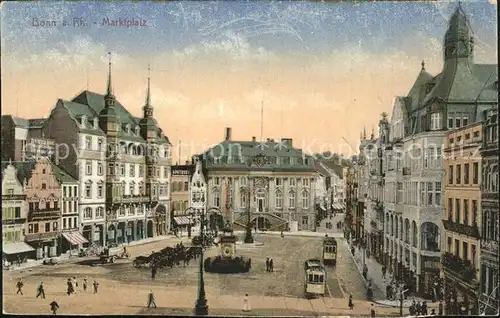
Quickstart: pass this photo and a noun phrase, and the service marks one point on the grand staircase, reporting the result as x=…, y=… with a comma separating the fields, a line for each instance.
x=274, y=222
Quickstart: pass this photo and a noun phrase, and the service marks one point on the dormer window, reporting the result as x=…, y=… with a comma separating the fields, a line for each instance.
x=83, y=120
x=96, y=123
x=137, y=130
x=128, y=128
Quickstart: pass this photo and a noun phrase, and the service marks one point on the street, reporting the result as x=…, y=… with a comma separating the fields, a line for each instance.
x=123, y=289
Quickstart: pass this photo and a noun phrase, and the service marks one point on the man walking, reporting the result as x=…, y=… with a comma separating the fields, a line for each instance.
x=271, y=265
x=350, y=304
x=372, y=311
x=84, y=284
x=267, y=264
x=384, y=269
x=20, y=285
x=151, y=299
x=41, y=291
x=96, y=284
x=54, y=306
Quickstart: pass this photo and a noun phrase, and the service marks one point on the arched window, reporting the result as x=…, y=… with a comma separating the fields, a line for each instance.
x=216, y=199
x=99, y=213
x=305, y=199
x=279, y=200
x=291, y=199
x=141, y=189
x=243, y=199
x=415, y=233
x=397, y=227
x=407, y=231
x=132, y=188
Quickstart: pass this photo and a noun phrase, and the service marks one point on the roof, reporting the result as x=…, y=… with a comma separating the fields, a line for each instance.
x=61, y=175
x=337, y=169
x=18, y=121
x=418, y=90
x=322, y=169
x=24, y=169
x=36, y=123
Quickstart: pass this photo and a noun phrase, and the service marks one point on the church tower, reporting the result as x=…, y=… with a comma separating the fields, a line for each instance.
x=149, y=131
x=108, y=121
x=459, y=39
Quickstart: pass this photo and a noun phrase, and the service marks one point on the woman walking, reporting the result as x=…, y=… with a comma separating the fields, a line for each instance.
x=246, y=303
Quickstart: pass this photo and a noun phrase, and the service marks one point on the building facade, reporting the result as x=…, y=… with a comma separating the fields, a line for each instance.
x=122, y=164
x=489, y=294
x=198, y=193
x=13, y=213
x=461, y=216
x=182, y=216
x=270, y=182
x=43, y=201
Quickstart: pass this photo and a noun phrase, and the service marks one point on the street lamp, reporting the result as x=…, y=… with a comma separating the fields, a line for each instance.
x=201, y=307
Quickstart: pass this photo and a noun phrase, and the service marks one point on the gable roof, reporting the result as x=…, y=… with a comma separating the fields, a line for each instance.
x=61, y=175
x=24, y=169
x=336, y=168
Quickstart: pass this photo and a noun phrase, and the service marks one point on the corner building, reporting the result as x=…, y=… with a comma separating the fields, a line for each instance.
x=434, y=104
x=122, y=164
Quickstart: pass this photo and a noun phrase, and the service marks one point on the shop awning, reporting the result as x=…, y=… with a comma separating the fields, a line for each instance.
x=338, y=206
x=181, y=220
x=75, y=238
x=16, y=248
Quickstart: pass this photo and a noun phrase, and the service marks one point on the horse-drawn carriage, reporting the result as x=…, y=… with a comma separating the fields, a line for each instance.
x=168, y=257
x=111, y=254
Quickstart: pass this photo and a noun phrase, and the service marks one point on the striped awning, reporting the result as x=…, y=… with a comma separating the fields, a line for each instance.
x=75, y=238
x=182, y=220
x=16, y=248
x=338, y=206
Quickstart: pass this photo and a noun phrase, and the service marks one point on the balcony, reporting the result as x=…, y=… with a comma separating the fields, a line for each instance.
x=13, y=197
x=491, y=246
x=406, y=171
x=472, y=231
x=128, y=199
x=41, y=236
x=462, y=268
x=46, y=214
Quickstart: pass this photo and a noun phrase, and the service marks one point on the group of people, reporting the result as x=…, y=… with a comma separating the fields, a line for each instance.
x=269, y=265
x=72, y=285
x=419, y=309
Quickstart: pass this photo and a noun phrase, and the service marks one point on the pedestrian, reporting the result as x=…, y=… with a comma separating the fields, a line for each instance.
x=433, y=312
x=84, y=284
x=271, y=265
x=19, y=286
x=383, y=271
x=424, y=308
x=96, y=285
x=69, y=290
x=418, y=309
x=351, y=304
x=267, y=264
x=41, y=291
x=365, y=271
x=151, y=299
x=246, y=303
x=440, y=308
x=54, y=306
x=372, y=311
x=75, y=282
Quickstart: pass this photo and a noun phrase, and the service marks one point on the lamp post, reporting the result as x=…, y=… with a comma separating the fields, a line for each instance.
x=201, y=307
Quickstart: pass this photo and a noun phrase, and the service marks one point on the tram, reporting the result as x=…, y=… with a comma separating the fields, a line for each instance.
x=315, y=278
x=330, y=251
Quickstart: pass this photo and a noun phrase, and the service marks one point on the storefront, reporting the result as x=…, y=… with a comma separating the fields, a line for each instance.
x=460, y=297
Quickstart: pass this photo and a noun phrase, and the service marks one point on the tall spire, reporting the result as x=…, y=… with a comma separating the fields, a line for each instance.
x=109, y=91
x=364, y=132
x=373, y=133
x=148, y=94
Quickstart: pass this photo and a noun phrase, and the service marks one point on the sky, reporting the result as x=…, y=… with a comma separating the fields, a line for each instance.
x=319, y=71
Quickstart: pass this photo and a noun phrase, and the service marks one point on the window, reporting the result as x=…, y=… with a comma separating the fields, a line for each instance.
x=122, y=188
x=64, y=224
x=466, y=173
x=457, y=210
x=399, y=193
x=88, y=143
x=293, y=182
x=243, y=199
x=458, y=170
x=216, y=199
x=141, y=171
x=87, y=213
x=279, y=200
x=88, y=190
x=305, y=199
x=54, y=226
x=457, y=121
x=111, y=169
x=122, y=169
x=165, y=172
x=100, y=169
x=305, y=220
x=475, y=173
x=450, y=174
x=131, y=210
x=132, y=170
x=279, y=182
x=121, y=211
x=475, y=134
x=429, y=194
x=474, y=212
x=465, y=120
x=131, y=189
x=243, y=181
x=466, y=212
x=467, y=136
x=141, y=189
x=100, y=189
x=435, y=121
x=99, y=144
x=450, y=209
x=457, y=248
x=291, y=199
x=47, y=227
x=186, y=186
x=305, y=182
x=217, y=181
x=450, y=120
x=44, y=186
x=422, y=193
x=150, y=171
x=437, y=193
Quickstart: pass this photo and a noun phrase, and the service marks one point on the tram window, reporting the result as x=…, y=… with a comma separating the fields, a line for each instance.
x=321, y=278
x=310, y=277
x=316, y=278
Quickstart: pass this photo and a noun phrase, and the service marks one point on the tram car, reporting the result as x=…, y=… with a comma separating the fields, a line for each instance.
x=315, y=278
x=330, y=251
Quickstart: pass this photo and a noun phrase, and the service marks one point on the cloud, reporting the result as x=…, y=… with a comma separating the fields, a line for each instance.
x=233, y=45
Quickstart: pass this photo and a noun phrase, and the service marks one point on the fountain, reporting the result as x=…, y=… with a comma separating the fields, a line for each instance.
x=227, y=262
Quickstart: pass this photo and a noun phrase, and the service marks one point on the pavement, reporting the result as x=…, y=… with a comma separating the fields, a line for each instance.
x=298, y=233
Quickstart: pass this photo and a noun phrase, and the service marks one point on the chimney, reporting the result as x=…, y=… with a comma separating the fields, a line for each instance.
x=254, y=139
x=228, y=134
x=268, y=139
